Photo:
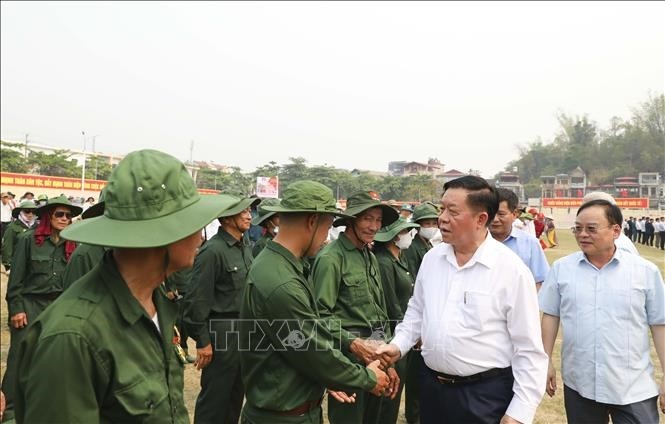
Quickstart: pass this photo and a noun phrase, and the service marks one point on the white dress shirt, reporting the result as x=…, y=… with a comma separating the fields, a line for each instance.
x=626, y=244
x=479, y=316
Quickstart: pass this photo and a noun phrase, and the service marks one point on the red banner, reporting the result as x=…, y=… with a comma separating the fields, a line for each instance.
x=60, y=183
x=572, y=202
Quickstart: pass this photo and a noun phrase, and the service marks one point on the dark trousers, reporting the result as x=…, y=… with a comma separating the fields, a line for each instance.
x=483, y=402
x=222, y=391
x=587, y=411
x=640, y=235
x=414, y=365
x=662, y=240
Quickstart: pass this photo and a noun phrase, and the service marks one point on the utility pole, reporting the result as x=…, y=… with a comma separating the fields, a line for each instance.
x=83, y=168
x=191, y=153
x=25, y=151
x=94, y=152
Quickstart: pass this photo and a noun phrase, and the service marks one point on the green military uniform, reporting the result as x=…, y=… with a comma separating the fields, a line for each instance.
x=122, y=367
x=347, y=286
x=83, y=260
x=177, y=284
x=34, y=283
x=13, y=230
x=397, y=283
x=212, y=308
x=414, y=360
x=107, y=359
x=285, y=383
x=262, y=219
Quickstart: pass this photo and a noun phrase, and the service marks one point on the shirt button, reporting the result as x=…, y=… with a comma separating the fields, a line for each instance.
x=150, y=404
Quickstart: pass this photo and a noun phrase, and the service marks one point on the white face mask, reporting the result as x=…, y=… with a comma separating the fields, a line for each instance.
x=404, y=241
x=276, y=229
x=428, y=233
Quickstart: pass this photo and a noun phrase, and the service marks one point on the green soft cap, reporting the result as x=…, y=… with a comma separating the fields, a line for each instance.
x=150, y=200
x=359, y=202
x=58, y=201
x=26, y=204
x=263, y=213
x=238, y=204
x=307, y=196
x=425, y=210
x=388, y=233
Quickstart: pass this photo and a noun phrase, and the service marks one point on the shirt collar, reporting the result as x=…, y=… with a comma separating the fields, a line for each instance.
x=129, y=307
x=618, y=256
x=485, y=254
x=228, y=238
x=346, y=242
x=286, y=254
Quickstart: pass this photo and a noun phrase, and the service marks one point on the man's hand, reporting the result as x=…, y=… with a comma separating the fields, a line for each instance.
x=394, y=383
x=382, y=380
x=342, y=397
x=19, y=320
x=203, y=356
x=507, y=419
x=550, y=388
x=661, y=397
x=363, y=349
x=2, y=404
x=388, y=354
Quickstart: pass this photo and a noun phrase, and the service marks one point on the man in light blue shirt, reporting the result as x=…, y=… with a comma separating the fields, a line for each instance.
x=607, y=301
x=522, y=243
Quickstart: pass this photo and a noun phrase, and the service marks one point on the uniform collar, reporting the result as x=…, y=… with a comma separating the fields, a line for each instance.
x=228, y=238
x=347, y=243
x=286, y=253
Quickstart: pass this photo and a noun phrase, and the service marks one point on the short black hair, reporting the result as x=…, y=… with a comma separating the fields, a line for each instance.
x=509, y=197
x=612, y=212
x=482, y=196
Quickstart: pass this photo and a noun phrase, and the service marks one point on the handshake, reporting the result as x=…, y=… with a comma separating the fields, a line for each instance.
x=379, y=358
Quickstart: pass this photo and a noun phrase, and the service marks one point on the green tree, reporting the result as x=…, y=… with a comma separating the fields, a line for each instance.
x=12, y=159
x=97, y=168
x=56, y=164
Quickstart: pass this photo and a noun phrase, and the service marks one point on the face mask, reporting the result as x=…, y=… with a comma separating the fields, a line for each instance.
x=428, y=233
x=276, y=229
x=404, y=241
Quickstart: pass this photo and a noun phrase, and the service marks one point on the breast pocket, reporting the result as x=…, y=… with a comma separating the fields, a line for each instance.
x=41, y=265
x=476, y=309
x=142, y=398
x=356, y=290
x=236, y=278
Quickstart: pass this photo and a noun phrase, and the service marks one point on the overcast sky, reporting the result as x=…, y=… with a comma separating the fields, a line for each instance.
x=354, y=85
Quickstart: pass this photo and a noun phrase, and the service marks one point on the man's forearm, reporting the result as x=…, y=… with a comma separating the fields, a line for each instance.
x=658, y=334
x=549, y=325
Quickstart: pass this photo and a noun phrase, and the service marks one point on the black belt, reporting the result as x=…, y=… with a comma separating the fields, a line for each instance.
x=300, y=409
x=457, y=379
x=44, y=296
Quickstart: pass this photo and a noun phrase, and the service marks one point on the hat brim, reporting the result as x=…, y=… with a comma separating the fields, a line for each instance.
x=17, y=210
x=240, y=206
x=93, y=211
x=430, y=216
x=390, y=215
x=389, y=235
x=76, y=210
x=260, y=219
x=104, y=231
x=282, y=209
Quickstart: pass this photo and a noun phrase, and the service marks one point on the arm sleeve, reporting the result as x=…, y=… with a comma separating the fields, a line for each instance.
x=201, y=295
x=529, y=361
x=549, y=297
x=388, y=283
x=8, y=242
x=18, y=274
x=327, y=276
x=655, y=302
x=80, y=380
x=407, y=332
x=539, y=266
x=320, y=357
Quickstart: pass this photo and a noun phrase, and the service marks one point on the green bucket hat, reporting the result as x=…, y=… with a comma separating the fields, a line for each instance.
x=150, y=200
x=359, y=202
x=97, y=209
x=526, y=215
x=236, y=204
x=42, y=197
x=26, y=204
x=425, y=210
x=388, y=233
x=264, y=214
x=58, y=201
x=307, y=196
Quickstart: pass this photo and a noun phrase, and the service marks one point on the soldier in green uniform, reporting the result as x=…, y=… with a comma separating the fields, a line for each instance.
x=389, y=244
x=347, y=286
x=426, y=215
x=286, y=368
x=24, y=220
x=270, y=223
x=86, y=256
x=104, y=351
x=35, y=280
x=212, y=308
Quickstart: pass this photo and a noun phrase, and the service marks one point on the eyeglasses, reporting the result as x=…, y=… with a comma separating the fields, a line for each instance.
x=591, y=229
x=60, y=214
x=27, y=211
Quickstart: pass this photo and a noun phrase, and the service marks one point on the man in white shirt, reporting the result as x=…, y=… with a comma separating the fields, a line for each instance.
x=5, y=213
x=475, y=309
